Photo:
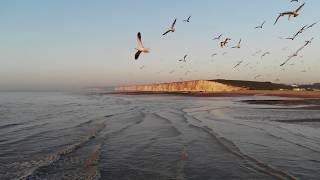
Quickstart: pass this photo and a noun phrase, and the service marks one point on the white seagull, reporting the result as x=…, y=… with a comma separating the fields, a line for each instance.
x=172, y=28
x=218, y=37
x=225, y=42
x=184, y=58
x=214, y=54
x=294, y=13
x=257, y=76
x=187, y=20
x=238, y=64
x=295, y=54
x=301, y=30
x=264, y=54
x=238, y=45
x=140, y=47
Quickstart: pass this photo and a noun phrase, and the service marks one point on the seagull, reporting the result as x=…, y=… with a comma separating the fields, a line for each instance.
x=294, y=1
x=257, y=52
x=218, y=37
x=308, y=42
x=264, y=54
x=140, y=47
x=238, y=45
x=224, y=43
x=299, y=32
x=294, y=13
x=184, y=58
x=187, y=20
x=257, y=76
x=302, y=30
x=214, y=54
x=295, y=54
x=261, y=26
x=172, y=28
x=290, y=57
x=238, y=64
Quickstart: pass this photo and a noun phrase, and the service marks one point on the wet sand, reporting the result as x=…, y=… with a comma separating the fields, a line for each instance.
x=309, y=100
x=143, y=137
x=305, y=103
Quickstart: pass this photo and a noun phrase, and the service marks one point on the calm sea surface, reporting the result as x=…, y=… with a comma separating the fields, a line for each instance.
x=81, y=136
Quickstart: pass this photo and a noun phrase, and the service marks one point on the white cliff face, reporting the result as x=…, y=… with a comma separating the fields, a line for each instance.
x=197, y=85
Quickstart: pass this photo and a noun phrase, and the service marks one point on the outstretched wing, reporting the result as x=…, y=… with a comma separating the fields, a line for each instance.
x=185, y=56
x=140, y=45
x=286, y=61
x=239, y=42
x=303, y=28
x=136, y=56
x=263, y=23
x=238, y=64
x=173, y=24
x=166, y=33
x=218, y=37
x=277, y=19
x=299, y=8
x=312, y=25
x=295, y=35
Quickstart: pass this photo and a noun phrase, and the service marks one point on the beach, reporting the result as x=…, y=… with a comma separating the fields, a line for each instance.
x=157, y=136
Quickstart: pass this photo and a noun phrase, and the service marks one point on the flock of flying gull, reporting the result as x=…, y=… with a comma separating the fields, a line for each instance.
x=224, y=41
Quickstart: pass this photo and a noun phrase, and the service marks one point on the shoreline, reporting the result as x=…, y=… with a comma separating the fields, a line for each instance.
x=308, y=100
x=285, y=93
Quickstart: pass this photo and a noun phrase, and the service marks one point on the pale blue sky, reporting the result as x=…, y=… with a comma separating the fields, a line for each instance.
x=77, y=43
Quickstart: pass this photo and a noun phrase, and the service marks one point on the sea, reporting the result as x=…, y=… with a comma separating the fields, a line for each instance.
x=65, y=135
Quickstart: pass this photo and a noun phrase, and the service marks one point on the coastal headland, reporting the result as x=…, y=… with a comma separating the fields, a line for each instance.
x=220, y=88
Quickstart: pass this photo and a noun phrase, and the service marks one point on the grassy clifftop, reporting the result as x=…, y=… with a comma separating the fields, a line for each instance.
x=253, y=85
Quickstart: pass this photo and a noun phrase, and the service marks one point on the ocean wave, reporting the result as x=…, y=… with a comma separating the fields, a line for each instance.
x=54, y=157
x=299, y=120
x=9, y=125
x=257, y=125
x=252, y=162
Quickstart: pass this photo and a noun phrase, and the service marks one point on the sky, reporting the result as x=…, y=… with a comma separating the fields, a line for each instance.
x=79, y=43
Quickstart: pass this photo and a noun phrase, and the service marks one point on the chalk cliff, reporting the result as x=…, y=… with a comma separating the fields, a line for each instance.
x=196, y=85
